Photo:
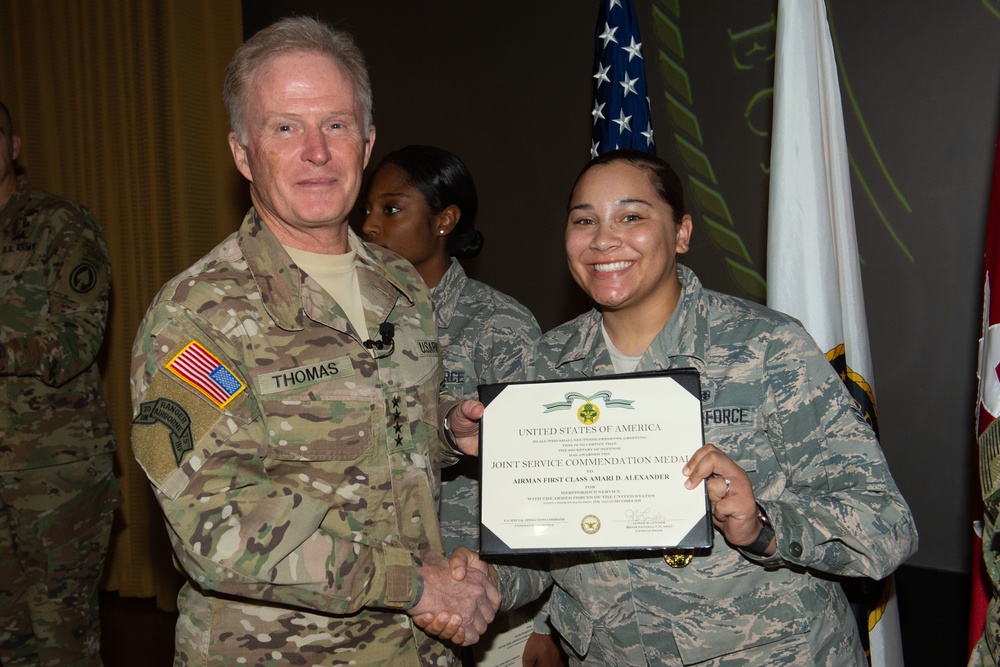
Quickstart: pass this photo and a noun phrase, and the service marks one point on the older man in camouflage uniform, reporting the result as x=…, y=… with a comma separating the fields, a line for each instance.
x=57, y=489
x=286, y=395
x=773, y=405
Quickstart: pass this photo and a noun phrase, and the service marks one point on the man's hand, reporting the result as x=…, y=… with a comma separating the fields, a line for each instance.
x=453, y=608
x=463, y=422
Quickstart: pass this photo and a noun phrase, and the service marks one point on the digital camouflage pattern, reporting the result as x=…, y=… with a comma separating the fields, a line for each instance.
x=486, y=337
x=54, y=287
x=988, y=645
x=57, y=489
x=55, y=524
x=296, y=509
x=772, y=403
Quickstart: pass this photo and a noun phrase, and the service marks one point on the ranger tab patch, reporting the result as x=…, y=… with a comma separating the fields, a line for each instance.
x=203, y=371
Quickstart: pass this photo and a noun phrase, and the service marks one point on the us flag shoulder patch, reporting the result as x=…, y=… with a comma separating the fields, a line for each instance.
x=203, y=371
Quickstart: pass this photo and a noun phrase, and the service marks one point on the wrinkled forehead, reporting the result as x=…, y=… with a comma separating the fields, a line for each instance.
x=276, y=71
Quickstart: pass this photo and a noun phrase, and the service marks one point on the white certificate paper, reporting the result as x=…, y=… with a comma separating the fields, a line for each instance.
x=592, y=464
x=504, y=641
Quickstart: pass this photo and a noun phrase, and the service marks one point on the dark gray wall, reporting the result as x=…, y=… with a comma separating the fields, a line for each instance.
x=508, y=88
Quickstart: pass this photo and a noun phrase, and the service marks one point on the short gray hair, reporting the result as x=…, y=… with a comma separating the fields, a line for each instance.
x=295, y=33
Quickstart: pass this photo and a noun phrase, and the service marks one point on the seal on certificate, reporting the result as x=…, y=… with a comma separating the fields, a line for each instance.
x=588, y=413
x=590, y=524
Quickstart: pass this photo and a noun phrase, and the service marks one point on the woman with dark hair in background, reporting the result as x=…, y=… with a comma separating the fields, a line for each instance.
x=422, y=204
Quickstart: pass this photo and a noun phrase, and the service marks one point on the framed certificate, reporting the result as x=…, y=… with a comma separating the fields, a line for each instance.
x=592, y=464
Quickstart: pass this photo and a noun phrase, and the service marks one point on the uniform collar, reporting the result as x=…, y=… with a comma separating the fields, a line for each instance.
x=687, y=333
x=585, y=343
x=682, y=342
x=289, y=295
x=446, y=293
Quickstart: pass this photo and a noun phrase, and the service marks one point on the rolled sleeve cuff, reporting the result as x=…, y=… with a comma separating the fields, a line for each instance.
x=793, y=538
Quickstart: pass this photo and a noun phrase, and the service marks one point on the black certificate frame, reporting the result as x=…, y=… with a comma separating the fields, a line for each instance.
x=688, y=379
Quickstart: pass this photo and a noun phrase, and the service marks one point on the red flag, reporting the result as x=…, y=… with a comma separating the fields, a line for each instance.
x=988, y=428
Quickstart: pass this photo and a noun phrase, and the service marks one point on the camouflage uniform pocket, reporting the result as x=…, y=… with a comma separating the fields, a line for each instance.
x=738, y=442
x=578, y=633
x=752, y=625
x=318, y=430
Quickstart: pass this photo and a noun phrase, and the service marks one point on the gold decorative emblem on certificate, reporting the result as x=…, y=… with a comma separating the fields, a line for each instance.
x=588, y=413
x=590, y=524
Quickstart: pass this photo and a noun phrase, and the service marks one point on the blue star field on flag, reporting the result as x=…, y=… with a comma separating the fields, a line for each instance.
x=621, y=106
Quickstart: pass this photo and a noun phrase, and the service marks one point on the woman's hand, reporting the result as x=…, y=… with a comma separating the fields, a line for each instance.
x=734, y=506
x=542, y=651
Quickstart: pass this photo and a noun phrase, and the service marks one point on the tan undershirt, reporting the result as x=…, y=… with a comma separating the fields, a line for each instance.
x=336, y=274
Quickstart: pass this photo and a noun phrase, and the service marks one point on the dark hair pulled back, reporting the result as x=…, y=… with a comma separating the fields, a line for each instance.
x=444, y=180
x=665, y=180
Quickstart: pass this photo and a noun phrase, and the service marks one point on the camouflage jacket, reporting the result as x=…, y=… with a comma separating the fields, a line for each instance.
x=296, y=472
x=54, y=285
x=486, y=337
x=772, y=403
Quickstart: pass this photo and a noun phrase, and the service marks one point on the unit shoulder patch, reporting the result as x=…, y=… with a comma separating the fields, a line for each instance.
x=168, y=430
x=174, y=417
x=84, y=273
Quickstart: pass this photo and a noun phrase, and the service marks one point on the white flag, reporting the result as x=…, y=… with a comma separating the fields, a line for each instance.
x=813, y=272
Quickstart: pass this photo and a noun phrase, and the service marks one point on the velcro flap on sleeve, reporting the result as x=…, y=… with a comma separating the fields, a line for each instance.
x=400, y=576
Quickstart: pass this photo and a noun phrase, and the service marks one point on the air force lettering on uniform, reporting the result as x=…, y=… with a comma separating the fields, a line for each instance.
x=301, y=376
x=728, y=415
x=454, y=377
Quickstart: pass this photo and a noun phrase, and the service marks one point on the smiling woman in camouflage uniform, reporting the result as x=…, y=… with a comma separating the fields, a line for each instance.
x=798, y=485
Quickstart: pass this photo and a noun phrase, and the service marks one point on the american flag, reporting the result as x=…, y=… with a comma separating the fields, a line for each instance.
x=200, y=369
x=621, y=106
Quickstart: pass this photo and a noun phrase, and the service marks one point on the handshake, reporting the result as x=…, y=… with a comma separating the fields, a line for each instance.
x=460, y=596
